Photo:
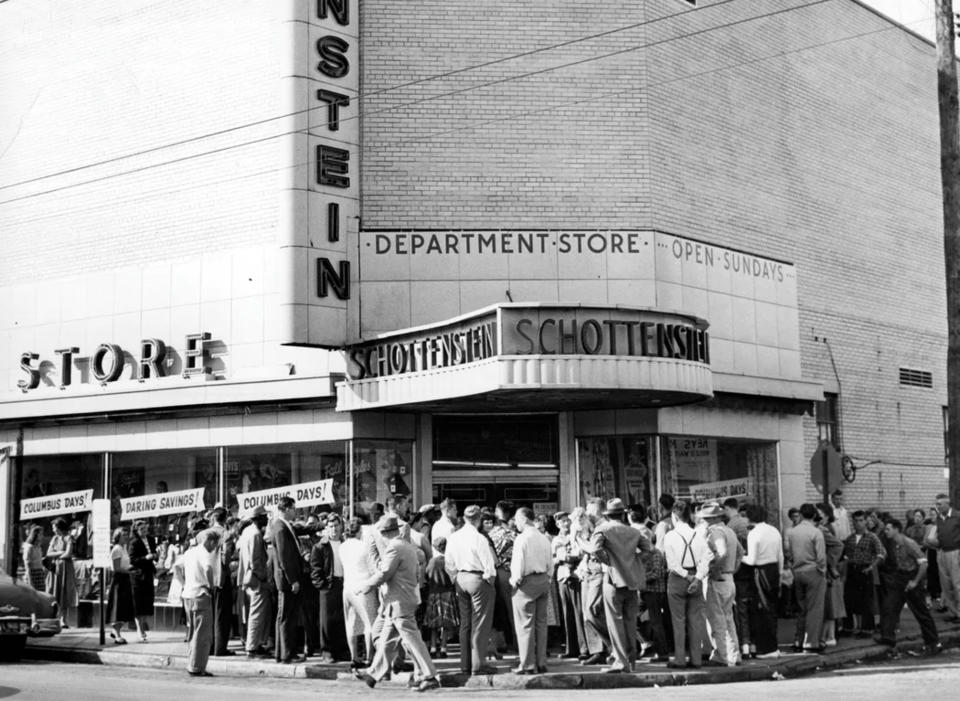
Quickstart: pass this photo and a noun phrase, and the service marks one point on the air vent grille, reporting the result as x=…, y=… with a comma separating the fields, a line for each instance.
x=916, y=378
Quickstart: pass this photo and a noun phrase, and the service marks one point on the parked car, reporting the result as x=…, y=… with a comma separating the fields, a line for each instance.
x=24, y=612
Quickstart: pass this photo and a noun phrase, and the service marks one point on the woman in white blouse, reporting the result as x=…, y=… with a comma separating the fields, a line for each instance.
x=359, y=610
x=120, y=609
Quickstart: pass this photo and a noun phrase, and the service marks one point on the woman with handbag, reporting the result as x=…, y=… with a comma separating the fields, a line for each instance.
x=120, y=610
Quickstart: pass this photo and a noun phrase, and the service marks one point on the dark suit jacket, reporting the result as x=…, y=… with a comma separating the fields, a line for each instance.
x=288, y=563
x=321, y=565
x=138, y=552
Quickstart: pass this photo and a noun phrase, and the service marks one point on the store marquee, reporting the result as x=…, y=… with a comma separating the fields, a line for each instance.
x=304, y=494
x=161, y=504
x=56, y=504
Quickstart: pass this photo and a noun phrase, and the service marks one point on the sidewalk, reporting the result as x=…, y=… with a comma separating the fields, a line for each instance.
x=167, y=650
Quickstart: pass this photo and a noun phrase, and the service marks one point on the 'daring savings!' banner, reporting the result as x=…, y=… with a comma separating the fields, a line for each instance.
x=161, y=504
x=305, y=494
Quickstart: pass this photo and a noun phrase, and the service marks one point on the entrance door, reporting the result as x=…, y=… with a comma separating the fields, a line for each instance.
x=483, y=459
x=485, y=488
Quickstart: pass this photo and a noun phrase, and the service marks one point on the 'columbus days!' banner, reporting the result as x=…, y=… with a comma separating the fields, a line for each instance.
x=305, y=494
x=56, y=504
x=161, y=504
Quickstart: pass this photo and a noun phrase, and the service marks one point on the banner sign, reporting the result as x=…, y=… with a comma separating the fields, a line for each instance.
x=56, y=504
x=161, y=504
x=718, y=491
x=100, y=533
x=305, y=494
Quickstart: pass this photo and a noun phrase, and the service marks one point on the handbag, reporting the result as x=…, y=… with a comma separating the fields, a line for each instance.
x=931, y=538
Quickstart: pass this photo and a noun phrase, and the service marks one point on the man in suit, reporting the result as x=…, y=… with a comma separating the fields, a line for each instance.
x=531, y=570
x=400, y=596
x=254, y=579
x=618, y=547
x=223, y=590
x=287, y=571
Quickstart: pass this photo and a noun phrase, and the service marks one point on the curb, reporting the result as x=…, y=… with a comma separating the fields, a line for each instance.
x=793, y=667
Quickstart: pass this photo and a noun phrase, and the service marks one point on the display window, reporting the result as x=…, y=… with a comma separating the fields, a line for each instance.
x=495, y=442
x=616, y=466
x=382, y=469
x=700, y=468
x=256, y=468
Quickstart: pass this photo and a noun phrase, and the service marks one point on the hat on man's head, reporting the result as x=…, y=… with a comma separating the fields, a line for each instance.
x=427, y=508
x=388, y=523
x=711, y=510
x=471, y=512
x=559, y=515
x=258, y=510
x=615, y=506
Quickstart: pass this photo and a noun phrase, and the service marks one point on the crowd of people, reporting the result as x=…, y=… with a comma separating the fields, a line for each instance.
x=682, y=584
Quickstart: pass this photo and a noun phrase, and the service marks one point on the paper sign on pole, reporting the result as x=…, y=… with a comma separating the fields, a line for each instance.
x=161, y=504
x=101, y=533
x=305, y=494
x=55, y=504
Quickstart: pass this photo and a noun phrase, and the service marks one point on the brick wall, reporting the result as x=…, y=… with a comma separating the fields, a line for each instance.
x=743, y=136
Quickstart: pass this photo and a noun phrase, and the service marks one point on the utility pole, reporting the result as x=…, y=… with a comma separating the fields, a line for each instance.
x=950, y=180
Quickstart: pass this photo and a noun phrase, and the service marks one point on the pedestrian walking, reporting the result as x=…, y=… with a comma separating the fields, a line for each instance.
x=903, y=583
x=470, y=563
x=399, y=584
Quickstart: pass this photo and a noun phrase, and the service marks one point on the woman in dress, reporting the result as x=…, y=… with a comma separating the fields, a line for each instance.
x=834, y=608
x=442, y=616
x=143, y=552
x=62, y=579
x=33, y=559
x=120, y=609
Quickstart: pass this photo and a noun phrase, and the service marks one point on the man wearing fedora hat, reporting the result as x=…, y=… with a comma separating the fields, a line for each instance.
x=253, y=575
x=723, y=557
x=618, y=546
x=399, y=598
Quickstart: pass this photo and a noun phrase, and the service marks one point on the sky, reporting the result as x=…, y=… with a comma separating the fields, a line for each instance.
x=916, y=14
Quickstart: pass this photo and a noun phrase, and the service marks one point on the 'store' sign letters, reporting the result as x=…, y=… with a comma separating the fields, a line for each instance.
x=304, y=494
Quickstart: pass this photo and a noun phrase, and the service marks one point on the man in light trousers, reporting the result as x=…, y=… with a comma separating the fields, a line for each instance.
x=531, y=568
x=724, y=556
x=198, y=601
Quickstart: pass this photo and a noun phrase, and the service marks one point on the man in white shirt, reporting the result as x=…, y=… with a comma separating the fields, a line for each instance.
x=842, y=524
x=764, y=563
x=472, y=566
x=686, y=554
x=531, y=568
x=198, y=586
x=447, y=523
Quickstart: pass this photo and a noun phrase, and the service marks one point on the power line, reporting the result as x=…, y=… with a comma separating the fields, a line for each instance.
x=475, y=125
x=379, y=91
x=425, y=99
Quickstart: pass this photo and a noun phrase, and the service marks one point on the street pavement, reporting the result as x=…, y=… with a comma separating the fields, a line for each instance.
x=42, y=681
x=168, y=651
